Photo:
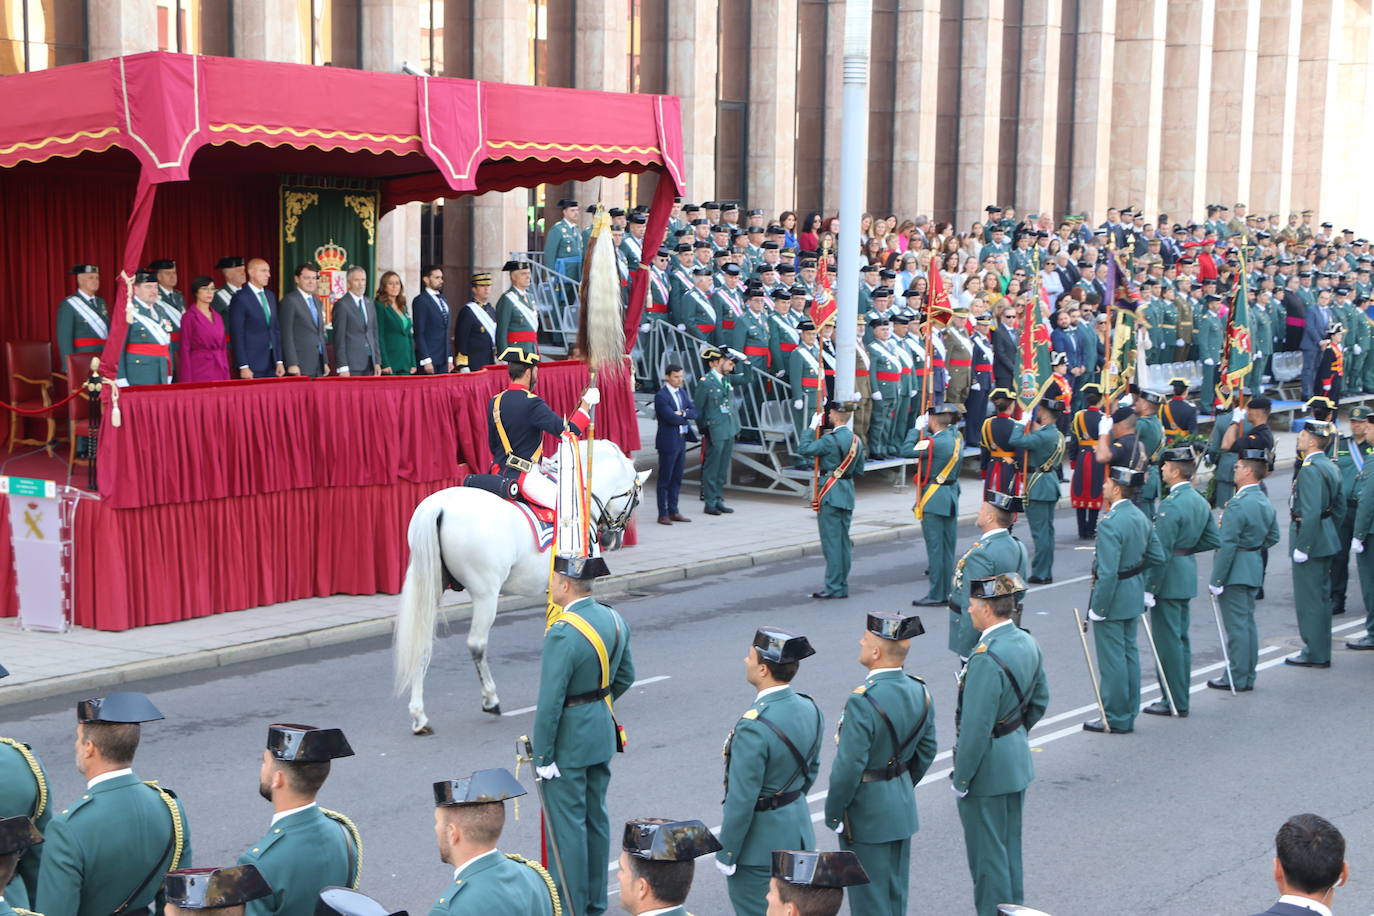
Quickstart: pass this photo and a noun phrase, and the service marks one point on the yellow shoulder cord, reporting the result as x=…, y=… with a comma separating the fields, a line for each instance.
x=589, y=632
x=543, y=873
x=42, y=804
x=1055, y=459
x=500, y=427
x=178, y=828
x=343, y=821
x=23, y=912
x=934, y=487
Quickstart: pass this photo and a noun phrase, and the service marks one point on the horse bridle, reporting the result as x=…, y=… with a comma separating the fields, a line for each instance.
x=617, y=523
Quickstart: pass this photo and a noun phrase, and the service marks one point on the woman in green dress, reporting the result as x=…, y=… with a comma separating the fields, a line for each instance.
x=395, y=327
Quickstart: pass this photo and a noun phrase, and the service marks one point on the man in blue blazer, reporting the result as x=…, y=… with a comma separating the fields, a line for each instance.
x=674, y=409
x=255, y=326
x=1308, y=866
x=433, y=323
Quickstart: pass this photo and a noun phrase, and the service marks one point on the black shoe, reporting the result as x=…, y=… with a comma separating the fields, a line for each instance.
x=1097, y=726
x=1040, y=580
x=726, y=509
x=1302, y=661
x=826, y=595
x=1364, y=643
x=929, y=602
x=1259, y=595
x=1161, y=708
x=1220, y=683
x=713, y=512
x=1338, y=608
x=663, y=520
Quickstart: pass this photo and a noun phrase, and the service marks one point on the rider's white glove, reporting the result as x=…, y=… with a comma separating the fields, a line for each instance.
x=592, y=396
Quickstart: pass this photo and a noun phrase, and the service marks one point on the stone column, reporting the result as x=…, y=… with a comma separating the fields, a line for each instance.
x=1346, y=194
x=1187, y=95
x=1137, y=103
x=1094, y=64
x=918, y=62
x=1316, y=127
x=772, y=105
x=119, y=27
x=601, y=61
x=834, y=106
x=980, y=110
x=1276, y=101
x=266, y=30
x=1231, y=119
x=692, y=66
x=1037, y=127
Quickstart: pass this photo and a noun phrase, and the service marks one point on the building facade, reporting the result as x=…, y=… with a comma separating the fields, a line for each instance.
x=1048, y=105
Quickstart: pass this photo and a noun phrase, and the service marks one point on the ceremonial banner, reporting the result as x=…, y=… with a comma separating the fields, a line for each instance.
x=331, y=227
x=1035, y=352
x=1121, y=320
x=1236, y=355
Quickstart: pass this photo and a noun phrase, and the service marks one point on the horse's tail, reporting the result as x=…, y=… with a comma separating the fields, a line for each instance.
x=424, y=586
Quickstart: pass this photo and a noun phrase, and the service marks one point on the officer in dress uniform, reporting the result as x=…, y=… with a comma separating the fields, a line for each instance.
x=469, y=815
x=772, y=757
x=1208, y=335
x=586, y=665
x=234, y=270
x=1149, y=433
x=516, y=423
x=1001, y=461
x=1085, y=489
x=718, y=424
x=806, y=373
x=937, y=449
x=147, y=356
x=996, y=551
x=474, y=330
x=887, y=385
x=1315, y=509
x=839, y=454
x=517, y=320
x=1241, y=428
x=306, y=847
x=1043, y=446
x=18, y=836
x=169, y=305
x=1002, y=694
x=82, y=320
x=106, y=851
x=695, y=312
x=1177, y=415
x=811, y=883
x=1126, y=548
x=23, y=793
x=563, y=245
x=1248, y=527
x=1185, y=528
x=1351, y=453
x=886, y=742
x=657, y=864
x=215, y=891
x=1362, y=524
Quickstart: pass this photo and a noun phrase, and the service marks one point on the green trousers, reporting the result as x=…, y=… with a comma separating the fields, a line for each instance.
x=889, y=877
x=1368, y=375
x=897, y=431
x=992, y=842
x=748, y=889
x=940, y=533
x=1340, y=563
x=1118, y=669
x=1169, y=620
x=1364, y=565
x=577, y=818
x=880, y=427
x=1040, y=513
x=1237, y=606
x=1208, y=392
x=835, y=544
x=1310, y=581
x=715, y=472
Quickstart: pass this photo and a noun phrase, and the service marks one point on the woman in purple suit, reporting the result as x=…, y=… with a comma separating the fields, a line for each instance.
x=204, y=343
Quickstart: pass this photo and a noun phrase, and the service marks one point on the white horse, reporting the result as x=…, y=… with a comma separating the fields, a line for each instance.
x=484, y=544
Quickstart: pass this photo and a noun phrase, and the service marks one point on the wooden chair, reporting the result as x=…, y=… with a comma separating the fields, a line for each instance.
x=78, y=411
x=30, y=387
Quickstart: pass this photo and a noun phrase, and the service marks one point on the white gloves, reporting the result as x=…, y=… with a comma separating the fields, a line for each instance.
x=815, y=422
x=956, y=790
x=1209, y=362
x=1104, y=426
x=976, y=386
x=1092, y=615
x=1358, y=349
x=877, y=395
x=1216, y=589
x=1179, y=342
x=592, y=396
x=682, y=327
x=922, y=421
x=1356, y=545
x=839, y=828
x=1238, y=415
x=1149, y=599
x=1148, y=344
x=1299, y=556
x=644, y=328
x=465, y=369
x=548, y=772
x=798, y=404
x=726, y=870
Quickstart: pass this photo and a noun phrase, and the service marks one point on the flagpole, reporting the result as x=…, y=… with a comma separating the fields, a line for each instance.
x=853, y=163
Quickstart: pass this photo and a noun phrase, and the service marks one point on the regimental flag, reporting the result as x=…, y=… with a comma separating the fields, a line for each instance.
x=1236, y=352
x=1035, y=352
x=1121, y=309
x=938, y=309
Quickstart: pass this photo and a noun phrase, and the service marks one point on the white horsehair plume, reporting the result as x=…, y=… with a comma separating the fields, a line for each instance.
x=602, y=337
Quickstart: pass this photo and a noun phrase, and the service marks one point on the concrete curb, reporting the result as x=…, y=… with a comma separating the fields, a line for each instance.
x=202, y=660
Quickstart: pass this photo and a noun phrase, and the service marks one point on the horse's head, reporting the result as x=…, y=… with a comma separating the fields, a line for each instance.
x=616, y=491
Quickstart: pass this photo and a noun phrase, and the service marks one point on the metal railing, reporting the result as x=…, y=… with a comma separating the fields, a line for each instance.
x=557, y=299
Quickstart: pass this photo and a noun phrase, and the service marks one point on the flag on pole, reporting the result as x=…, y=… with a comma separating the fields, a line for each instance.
x=1035, y=351
x=1236, y=355
x=1121, y=308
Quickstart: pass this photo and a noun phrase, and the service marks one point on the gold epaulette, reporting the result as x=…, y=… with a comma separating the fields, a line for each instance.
x=349, y=826
x=750, y=714
x=542, y=872
x=982, y=647
x=860, y=689
x=917, y=678
x=42, y=783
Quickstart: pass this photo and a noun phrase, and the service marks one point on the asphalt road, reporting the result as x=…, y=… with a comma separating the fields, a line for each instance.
x=1177, y=818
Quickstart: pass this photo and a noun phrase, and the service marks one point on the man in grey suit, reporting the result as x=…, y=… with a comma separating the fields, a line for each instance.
x=356, y=350
x=302, y=326
x=1318, y=318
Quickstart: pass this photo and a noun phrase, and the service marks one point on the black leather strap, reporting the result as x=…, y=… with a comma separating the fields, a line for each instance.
x=1013, y=721
x=898, y=761
x=582, y=699
x=796, y=755
x=773, y=802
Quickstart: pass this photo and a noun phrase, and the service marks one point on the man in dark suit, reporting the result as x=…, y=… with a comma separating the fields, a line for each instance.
x=302, y=326
x=255, y=326
x=1313, y=334
x=674, y=408
x=474, y=334
x=1005, y=340
x=356, y=351
x=433, y=323
x=1309, y=866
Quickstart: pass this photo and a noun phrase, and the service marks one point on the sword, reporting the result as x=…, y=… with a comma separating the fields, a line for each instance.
x=1154, y=650
x=1221, y=633
x=524, y=753
x=1081, y=625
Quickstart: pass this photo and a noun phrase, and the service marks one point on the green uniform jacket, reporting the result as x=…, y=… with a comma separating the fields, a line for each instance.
x=302, y=854
x=563, y=241
x=1044, y=455
x=1364, y=493
x=1316, y=507
x=984, y=765
x=886, y=369
x=832, y=449
x=138, y=368
x=583, y=735
x=993, y=554
x=1225, y=462
x=494, y=885
x=510, y=319
x=758, y=765
x=1184, y=527
x=1207, y=333
x=1248, y=525
x=71, y=327
x=1149, y=432
x=99, y=848
x=931, y=462
x=883, y=811
x=1346, y=465
x=782, y=330
x=715, y=407
x=1125, y=541
x=752, y=335
x=806, y=376
x=20, y=794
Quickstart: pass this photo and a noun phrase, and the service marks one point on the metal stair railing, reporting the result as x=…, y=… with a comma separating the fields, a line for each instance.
x=557, y=299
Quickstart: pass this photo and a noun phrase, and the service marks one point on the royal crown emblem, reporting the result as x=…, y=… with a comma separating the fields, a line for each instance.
x=331, y=256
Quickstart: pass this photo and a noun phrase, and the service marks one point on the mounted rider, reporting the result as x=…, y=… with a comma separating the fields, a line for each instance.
x=517, y=421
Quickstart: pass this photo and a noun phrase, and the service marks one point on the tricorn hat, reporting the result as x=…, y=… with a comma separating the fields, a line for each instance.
x=516, y=265
x=306, y=743
x=519, y=356
x=483, y=787
x=1127, y=476
x=18, y=834
x=781, y=647
x=988, y=587
x=1179, y=453
x=656, y=839
x=214, y=888
x=895, y=627
x=231, y=260
x=818, y=869
x=344, y=901
x=119, y=708
x=1005, y=501
x=577, y=567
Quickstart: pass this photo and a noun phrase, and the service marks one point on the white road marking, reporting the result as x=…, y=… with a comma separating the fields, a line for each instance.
x=640, y=683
